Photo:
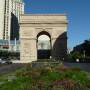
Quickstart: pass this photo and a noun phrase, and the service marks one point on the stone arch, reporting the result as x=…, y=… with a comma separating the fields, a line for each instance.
x=44, y=53
x=43, y=32
x=33, y=25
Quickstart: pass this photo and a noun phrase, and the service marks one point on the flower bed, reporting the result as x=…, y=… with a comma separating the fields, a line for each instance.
x=49, y=78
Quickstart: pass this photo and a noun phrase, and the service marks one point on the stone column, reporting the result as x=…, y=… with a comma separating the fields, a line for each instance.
x=33, y=50
x=53, y=49
x=28, y=50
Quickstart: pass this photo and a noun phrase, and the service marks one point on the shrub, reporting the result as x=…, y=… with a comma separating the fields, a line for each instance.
x=55, y=78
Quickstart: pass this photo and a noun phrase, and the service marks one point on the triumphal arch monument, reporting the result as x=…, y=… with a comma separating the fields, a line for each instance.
x=34, y=25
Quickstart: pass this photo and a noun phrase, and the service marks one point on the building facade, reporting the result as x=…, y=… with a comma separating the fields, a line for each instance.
x=12, y=46
x=10, y=11
x=2, y=5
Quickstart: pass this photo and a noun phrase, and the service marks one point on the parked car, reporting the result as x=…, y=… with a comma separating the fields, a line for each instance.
x=2, y=62
x=8, y=62
x=5, y=61
x=0, y=59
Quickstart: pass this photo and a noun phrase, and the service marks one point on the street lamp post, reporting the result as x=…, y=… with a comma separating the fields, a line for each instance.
x=15, y=45
x=9, y=44
x=84, y=54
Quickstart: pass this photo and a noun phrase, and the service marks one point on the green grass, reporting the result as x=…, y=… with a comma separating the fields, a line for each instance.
x=4, y=77
x=47, y=78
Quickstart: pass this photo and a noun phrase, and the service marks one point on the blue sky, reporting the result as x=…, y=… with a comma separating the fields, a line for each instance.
x=77, y=11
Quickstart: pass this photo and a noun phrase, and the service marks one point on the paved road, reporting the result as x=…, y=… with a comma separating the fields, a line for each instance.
x=83, y=66
x=9, y=68
x=12, y=67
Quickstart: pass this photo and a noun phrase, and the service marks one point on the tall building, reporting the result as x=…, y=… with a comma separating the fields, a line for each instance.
x=10, y=11
x=2, y=6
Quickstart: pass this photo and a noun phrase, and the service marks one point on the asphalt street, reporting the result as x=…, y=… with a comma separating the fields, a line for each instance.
x=9, y=68
x=83, y=66
x=12, y=67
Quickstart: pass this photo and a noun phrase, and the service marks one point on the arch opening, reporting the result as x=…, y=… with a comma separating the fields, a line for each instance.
x=43, y=45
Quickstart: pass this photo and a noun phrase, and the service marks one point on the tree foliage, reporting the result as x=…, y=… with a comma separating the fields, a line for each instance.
x=10, y=55
x=83, y=49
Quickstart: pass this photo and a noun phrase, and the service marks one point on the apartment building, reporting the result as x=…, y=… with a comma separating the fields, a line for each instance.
x=10, y=11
